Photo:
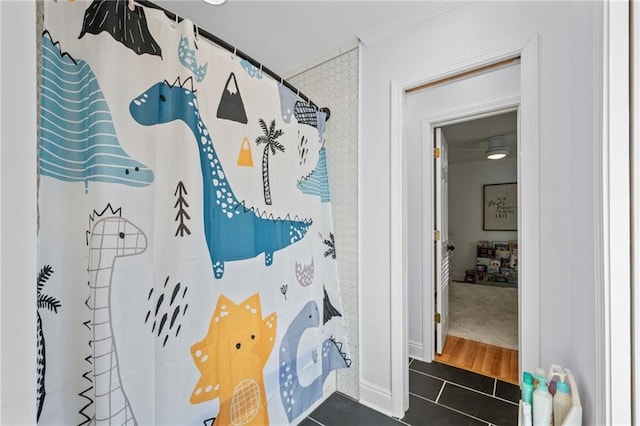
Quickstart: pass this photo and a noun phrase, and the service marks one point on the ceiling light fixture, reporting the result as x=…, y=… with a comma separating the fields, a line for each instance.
x=497, y=149
x=215, y=2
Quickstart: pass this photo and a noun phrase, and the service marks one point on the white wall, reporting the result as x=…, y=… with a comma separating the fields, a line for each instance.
x=466, y=182
x=567, y=138
x=18, y=212
x=424, y=105
x=334, y=84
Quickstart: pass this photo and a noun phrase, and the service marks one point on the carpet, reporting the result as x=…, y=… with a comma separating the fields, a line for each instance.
x=484, y=313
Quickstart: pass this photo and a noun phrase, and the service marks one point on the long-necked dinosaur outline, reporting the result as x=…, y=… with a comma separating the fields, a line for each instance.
x=111, y=238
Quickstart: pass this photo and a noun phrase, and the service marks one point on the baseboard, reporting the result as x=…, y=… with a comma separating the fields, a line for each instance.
x=457, y=276
x=416, y=350
x=375, y=397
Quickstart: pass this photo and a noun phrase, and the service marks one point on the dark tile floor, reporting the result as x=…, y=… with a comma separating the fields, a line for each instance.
x=438, y=395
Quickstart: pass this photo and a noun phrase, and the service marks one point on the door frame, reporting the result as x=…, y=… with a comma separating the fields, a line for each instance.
x=429, y=124
x=526, y=48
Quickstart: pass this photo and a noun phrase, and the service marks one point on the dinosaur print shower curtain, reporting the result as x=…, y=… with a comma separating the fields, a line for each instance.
x=187, y=266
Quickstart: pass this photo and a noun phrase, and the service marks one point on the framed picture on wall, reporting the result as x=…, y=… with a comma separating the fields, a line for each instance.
x=500, y=207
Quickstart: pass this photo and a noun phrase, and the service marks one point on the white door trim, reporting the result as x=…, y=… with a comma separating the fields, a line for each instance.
x=527, y=49
x=615, y=369
x=429, y=124
x=635, y=219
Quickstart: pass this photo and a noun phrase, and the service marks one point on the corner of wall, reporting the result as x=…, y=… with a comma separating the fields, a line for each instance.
x=335, y=83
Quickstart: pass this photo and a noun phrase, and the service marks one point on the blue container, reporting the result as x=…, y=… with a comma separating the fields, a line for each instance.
x=527, y=387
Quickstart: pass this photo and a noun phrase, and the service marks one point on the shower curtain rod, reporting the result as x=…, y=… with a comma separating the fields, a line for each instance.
x=235, y=51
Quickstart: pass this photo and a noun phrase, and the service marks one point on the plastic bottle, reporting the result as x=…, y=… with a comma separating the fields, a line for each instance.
x=527, y=387
x=542, y=404
x=526, y=414
x=551, y=384
x=540, y=376
x=561, y=403
x=555, y=373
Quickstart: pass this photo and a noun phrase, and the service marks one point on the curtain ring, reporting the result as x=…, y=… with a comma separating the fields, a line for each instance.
x=175, y=24
x=233, y=55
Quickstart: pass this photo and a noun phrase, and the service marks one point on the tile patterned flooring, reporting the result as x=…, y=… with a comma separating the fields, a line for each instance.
x=438, y=394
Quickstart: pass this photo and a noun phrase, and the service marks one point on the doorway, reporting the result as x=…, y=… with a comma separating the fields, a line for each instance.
x=475, y=207
x=400, y=195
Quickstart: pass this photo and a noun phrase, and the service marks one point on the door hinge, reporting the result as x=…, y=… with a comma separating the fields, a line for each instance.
x=437, y=318
x=436, y=235
x=436, y=153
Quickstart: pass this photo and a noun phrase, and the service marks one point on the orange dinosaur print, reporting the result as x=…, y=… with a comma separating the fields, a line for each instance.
x=231, y=359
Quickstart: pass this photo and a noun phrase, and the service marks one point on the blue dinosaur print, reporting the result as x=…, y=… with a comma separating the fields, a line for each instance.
x=251, y=69
x=297, y=398
x=187, y=58
x=232, y=231
x=78, y=141
x=317, y=182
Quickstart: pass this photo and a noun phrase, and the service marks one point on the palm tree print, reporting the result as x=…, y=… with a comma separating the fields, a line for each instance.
x=271, y=145
x=52, y=304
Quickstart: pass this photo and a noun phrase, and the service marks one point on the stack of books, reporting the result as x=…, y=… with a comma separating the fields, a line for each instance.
x=497, y=261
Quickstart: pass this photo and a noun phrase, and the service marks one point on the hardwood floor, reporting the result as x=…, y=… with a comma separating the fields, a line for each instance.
x=488, y=360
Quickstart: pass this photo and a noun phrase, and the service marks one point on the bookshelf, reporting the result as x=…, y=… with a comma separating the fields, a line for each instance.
x=497, y=263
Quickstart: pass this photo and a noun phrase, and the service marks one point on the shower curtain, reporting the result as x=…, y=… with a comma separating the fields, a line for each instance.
x=187, y=264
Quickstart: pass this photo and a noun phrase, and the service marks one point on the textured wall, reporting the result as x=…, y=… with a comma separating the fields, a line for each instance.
x=334, y=84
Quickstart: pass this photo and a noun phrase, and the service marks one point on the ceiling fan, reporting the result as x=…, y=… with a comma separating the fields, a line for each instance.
x=495, y=147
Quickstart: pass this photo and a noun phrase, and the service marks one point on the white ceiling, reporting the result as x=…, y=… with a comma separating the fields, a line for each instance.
x=287, y=35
